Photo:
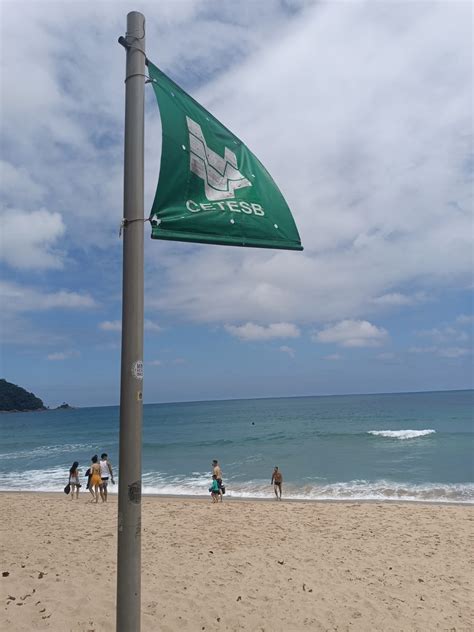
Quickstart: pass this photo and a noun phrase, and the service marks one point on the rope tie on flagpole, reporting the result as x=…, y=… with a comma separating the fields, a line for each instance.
x=136, y=74
x=125, y=222
x=123, y=42
x=136, y=36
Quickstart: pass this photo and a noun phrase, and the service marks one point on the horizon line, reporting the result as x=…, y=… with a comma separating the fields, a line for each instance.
x=237, y=399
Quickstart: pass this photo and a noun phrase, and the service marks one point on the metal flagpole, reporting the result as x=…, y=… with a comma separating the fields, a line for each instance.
x=131, y=405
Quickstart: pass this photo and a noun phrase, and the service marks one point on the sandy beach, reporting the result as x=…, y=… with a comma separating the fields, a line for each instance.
x=264, y=566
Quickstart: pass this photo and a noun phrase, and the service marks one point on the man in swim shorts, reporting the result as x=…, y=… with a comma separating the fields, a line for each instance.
x=105, y=472
x=277, y=480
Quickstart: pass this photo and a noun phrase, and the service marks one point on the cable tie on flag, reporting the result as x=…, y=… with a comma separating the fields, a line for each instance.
x=125, y=222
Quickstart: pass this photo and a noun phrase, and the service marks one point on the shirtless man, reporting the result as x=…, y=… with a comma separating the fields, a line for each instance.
x=277, y=480
x=217, y=472
x=105, y=472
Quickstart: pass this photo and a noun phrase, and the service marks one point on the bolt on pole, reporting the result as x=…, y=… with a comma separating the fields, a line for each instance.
x=131, y=400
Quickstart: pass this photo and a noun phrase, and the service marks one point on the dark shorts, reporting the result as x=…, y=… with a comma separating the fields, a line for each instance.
x=105, y=481
x=277, y=483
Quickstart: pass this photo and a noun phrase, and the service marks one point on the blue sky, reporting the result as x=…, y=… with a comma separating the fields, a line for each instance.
x=361, y=111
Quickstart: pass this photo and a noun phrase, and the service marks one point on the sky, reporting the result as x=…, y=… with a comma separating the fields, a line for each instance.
x=363, y=114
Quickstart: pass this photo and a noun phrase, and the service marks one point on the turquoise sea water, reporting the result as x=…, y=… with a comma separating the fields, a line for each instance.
x=415, y=446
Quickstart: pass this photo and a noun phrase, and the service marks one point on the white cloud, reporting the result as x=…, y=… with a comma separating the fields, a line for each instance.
x=398, y=299
x=422, y=349
x=252, y=331
x=465, y=319
x=386, y=356
x=443, y=352
x=453, y=352
x=28, y=239
x=289, y=350
x=109, y=346
x=149, y=325
x=57, y=356
x=352, y=333
x=18, y=298
x=446, y=334
x=116, y=325
x=155, y=363
x=446, y=341
x=17, y=330
x=111, y=325
x=63, y=355
x=67, y=300
x=332, y=356
x=18, y=186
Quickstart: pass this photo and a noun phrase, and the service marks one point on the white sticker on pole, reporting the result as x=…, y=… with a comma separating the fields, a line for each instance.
x=137, y=370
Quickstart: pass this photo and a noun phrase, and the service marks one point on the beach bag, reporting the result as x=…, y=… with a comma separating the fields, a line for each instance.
x=67, y=489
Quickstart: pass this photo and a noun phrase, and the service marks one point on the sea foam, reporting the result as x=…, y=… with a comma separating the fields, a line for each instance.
x=355, y=490
x=402, y=434
x=158, y=483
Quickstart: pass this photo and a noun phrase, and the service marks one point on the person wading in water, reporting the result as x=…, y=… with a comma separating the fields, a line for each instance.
x=277, y=480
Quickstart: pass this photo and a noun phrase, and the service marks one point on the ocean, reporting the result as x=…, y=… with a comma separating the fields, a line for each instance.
x=404, y=446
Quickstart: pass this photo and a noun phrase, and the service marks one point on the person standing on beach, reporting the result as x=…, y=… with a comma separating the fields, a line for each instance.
x=88, y=474
x=74, y=479
x=277, y=480
x=95, y=481
x=214, y=489
x=217, y=472
x=105, y=472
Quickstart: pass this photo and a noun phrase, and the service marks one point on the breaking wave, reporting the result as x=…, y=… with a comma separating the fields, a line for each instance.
x=401, y=434
x=357, y=490
x=197, y=483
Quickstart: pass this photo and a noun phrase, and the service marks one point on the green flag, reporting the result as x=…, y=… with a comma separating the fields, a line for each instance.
x=211, y=188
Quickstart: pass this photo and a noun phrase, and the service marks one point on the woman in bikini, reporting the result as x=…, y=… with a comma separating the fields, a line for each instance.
x=96, y=481
x=74, y=479
x=89, y=476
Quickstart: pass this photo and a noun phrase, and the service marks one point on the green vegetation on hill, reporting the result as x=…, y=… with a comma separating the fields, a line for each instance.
x=13, y=397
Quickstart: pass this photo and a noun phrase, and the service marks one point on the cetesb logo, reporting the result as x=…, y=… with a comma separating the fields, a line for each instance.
x=221, y=176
